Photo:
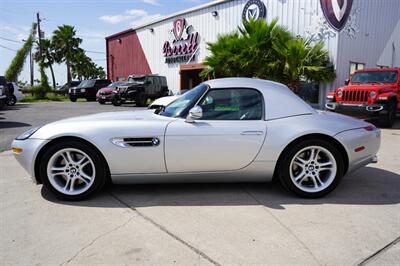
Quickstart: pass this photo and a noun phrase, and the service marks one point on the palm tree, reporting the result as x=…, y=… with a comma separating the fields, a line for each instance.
x=47, y=56
x=268, y=51
x=303, y=60
x=65, y=45
x=252, y=51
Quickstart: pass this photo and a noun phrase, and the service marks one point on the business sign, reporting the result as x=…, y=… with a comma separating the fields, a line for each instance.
x=183, y=48
x=254, y=9
x=336, y=12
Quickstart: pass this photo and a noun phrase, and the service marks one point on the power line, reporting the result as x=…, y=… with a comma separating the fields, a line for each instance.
x=10, y=40
x=5, y=47
x=94, y=52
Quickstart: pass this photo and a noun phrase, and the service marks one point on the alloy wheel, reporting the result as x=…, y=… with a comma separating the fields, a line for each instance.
x=313, y=169
x=71, y=171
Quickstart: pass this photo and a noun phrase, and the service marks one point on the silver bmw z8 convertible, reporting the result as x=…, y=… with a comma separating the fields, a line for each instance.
x=224, y=130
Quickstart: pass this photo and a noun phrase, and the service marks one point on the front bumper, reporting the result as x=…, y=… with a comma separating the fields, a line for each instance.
x=105, y=98
x=362, y=110
x=30, y=149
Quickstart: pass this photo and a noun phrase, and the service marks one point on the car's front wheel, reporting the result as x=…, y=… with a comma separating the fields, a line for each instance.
x=72, y=170
x=311, y=168
x=73, y=99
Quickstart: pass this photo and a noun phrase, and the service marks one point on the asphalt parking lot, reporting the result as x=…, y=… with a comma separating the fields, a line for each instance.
x=196, y=224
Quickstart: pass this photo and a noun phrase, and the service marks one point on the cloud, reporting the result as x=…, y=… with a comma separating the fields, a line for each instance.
x=115, y=19
x=145, y=19
x=151, y=2
x=135, y=17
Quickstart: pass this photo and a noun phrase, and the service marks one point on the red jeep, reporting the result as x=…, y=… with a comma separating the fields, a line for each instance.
x=370, y=92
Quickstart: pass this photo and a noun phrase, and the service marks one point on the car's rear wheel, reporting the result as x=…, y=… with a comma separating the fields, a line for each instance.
x=72, y=170
x=12, y=100
x=387, y=119
x=311, y=168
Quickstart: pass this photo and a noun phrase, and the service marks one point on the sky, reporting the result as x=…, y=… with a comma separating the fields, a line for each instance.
x=92, y=19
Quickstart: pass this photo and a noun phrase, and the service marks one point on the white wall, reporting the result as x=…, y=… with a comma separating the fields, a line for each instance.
x=376, y=22
x=299, y=16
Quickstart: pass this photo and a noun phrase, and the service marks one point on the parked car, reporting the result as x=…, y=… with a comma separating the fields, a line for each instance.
x=105, y=94
x=371, y=92
x=14, y=94
x=3, y=91
x=215, y=132
x=141, y=89
x=162, y=102
x=64, y=89
x=87, y=89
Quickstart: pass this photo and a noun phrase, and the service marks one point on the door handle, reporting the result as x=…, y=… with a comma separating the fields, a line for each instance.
x=252, y=133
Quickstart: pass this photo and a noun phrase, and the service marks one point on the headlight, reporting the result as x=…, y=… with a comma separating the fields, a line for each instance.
x=339, y=93
x=372, y=94
x=69, y=90
x=27, y=134
x=83, y=90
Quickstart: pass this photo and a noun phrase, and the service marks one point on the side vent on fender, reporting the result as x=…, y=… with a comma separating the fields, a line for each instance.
x=136, y=142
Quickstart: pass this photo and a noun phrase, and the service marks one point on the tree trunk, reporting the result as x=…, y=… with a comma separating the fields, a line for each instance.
x=294, y=85
x=68, y=72
x=52, y=76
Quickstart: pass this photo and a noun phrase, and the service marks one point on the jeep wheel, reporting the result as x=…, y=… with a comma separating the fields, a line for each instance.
x=141, y=100
x=116, y=102
x=387, y=119
x=73, y=99
x=11, y=101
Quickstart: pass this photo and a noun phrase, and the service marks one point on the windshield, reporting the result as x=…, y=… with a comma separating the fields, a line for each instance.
x=137, y=79
x=374, y=77
x=116, y=84
x=86, y=83
x=180, y=106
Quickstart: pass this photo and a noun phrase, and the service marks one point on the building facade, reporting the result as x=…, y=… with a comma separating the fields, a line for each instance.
x=357, y=34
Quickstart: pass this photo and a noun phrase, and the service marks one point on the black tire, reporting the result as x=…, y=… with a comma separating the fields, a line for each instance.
x=116, y=102
x=387, y=120
x=12, y=100
x=73, y=99
x=141, y=100
x=285, y=164
x=102, y=102
x=100, y=178
x=90, y=99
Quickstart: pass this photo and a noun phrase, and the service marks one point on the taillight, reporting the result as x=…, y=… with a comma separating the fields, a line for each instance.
x=370, y=128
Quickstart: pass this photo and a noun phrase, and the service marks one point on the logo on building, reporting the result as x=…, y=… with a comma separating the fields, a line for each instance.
x=183, y=47
x=336, y=12
x=254, y=9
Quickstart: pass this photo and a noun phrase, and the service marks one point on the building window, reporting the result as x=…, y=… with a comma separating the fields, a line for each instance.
x=356, y=66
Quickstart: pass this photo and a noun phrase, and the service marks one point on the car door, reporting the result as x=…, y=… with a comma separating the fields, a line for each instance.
x=228, y=137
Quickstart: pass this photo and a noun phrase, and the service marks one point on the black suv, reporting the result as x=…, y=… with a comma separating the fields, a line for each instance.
x=4, y=91
x=140, y=89
x=87, y=89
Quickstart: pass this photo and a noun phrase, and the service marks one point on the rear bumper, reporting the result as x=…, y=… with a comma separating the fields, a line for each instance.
x=357, y=109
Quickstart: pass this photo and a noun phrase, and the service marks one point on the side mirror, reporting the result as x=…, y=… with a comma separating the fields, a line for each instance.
x=194, y=114
x=346, y=82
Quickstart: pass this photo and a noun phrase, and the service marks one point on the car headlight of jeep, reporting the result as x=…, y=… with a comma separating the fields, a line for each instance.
x=27, y=134
x=339, y=93
x=83, y=90
x=372, y=94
